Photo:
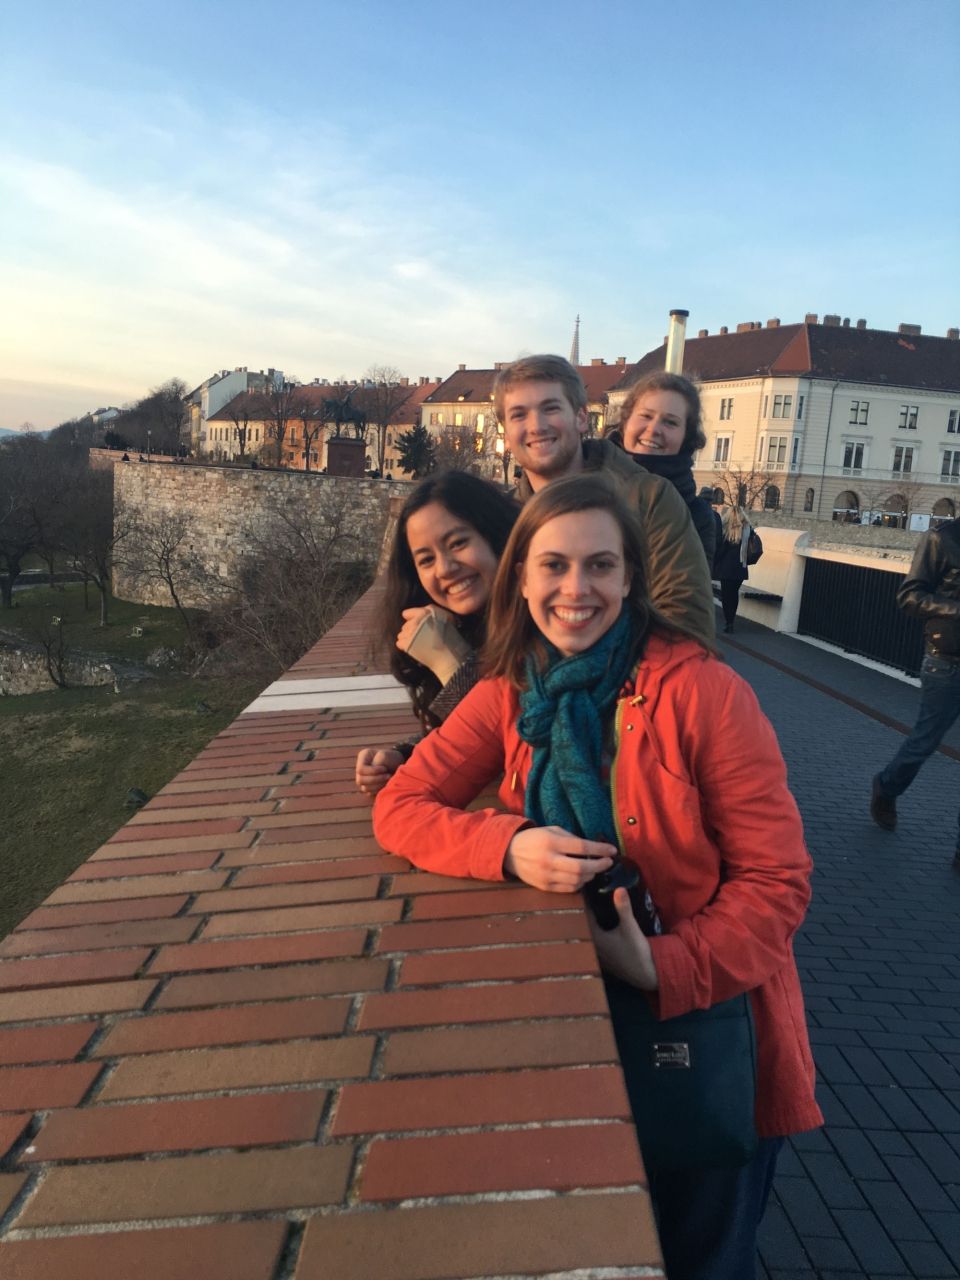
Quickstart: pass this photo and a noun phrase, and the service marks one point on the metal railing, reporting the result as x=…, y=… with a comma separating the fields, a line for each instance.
x=855, y=608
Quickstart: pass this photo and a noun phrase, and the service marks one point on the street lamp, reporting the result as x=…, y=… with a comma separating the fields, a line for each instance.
x=148, y=444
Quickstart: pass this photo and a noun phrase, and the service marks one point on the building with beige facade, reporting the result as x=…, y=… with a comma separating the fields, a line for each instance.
x=827, y=419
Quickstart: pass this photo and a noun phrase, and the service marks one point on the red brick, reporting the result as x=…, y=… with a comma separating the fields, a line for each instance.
x=214, y=774
x=145, y=866
x=237, y=795
x=240, y=986
x=328, y=791
x=70, y=970
x=131, y=1190
x=484, y=931
x=384, y=1106
x=568, y=1235
x=295, y=919
x=35, y=1088
x=186, y=811
x=10, y=1185
x=104, y=912
x=562, y=1159
x=340, y=819
x=305, y=872
x=140, y=886
x=296, y=801
x=44, y=1044
x=320, y=831
x=488, y=901
x=412, y=882
x=286, y=949
x=257, y=1120
x=133, y=848
x=237, y=1025
x=552, y=961
x=293, y=1062
x=170, y=830
x=228, y=1251
x=32, y=942
x=309, y=851
x=11, y=1127
x=500, y=1003
x=287, y=895
x=66, y=1002
x=575, y=1042
x=181, y=785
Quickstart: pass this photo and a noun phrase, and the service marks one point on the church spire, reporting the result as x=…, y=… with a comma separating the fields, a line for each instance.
x=575, y=345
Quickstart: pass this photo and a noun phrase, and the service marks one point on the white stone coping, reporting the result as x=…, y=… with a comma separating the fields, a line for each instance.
x=336, y=691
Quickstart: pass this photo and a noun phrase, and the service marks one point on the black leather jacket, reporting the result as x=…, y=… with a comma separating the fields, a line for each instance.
x=931, y=590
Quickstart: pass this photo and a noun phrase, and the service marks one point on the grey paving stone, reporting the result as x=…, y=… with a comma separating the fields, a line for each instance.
x=858, y=1155
x=874, y=1249
x=805, y=1208
x=832, y=1180
x=946, y=1228
x=778, y=1243
x=922, y=1188
x=893, y=1208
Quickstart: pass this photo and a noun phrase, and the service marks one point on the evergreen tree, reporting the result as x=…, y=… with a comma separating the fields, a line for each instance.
x=417, y=452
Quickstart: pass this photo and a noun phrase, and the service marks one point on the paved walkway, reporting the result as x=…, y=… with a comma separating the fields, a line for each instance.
x=877, y=1192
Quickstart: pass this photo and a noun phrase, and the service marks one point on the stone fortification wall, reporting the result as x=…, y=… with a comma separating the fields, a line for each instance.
x=225, y=509
x=831, y=533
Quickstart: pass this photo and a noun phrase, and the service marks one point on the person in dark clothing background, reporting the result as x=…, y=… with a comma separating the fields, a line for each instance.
x=661, y=427
x=730, y=562
x=931, y=591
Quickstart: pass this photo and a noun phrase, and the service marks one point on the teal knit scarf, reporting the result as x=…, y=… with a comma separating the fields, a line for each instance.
x=562, y=716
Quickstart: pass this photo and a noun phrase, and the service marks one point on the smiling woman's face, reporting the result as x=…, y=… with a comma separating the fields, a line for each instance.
x=575, y=578
x=657, y=424
x=455, y=565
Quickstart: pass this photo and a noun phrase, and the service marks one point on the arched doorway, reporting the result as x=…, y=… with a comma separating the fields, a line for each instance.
x=846, y=509
x=944, y=509
x=894, y=512
x=808, y=500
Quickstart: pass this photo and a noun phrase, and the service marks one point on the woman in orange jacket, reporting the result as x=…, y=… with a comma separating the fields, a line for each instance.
x=616, y=735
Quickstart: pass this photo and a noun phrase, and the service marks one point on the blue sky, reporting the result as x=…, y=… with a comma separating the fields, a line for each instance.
x=323, y=187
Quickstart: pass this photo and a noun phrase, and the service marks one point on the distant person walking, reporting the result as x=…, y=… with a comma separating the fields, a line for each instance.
x=739, y=546
x=931, y=591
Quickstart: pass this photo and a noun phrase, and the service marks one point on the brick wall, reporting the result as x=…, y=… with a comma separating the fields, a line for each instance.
x=242, y=1042
x=225, y=504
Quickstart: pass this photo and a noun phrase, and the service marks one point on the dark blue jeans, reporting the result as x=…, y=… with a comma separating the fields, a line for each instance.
x=708, y=1218
x=939, y=707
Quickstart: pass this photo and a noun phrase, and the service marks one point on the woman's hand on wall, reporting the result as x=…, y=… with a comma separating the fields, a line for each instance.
x=553, y=859
x=625, y=952
x=375, y=768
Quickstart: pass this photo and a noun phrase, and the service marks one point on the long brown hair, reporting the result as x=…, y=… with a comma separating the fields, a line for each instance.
x=511, y=632
x=479, y=504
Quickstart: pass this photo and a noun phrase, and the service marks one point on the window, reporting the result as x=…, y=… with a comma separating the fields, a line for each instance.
x=859, y=409
x=953, y=421
x=458, y=419
x=771, y=498
x=795, y=451
x=852, y=457
x=721, y=451
x=481, y=420
x=726, y=409
x=808, y=496
x=846, y=509
x=436, y=419
x=766, y=405
x=799, y=408
x=908, y=416
x=776, y=449
x=782, y=406
x=950, y=467
x=903, y=458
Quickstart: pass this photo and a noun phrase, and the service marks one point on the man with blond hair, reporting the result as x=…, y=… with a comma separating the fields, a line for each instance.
x=542, y=404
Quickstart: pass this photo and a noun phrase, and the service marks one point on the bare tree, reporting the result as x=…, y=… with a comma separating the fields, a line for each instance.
x=240, y=415
x=95, y=532
x=384, y=396
x=157, y=551
x=21, y=497
x=312, y=421
x=456, y=450
x=745, y=487
x=277, y=408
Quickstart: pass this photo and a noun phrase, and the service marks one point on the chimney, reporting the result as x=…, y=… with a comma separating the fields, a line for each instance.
x=724, y=329
x=773, y=324
x=404, y=382
x=596, y=362
x=861, y=324
x=846, y=322
x=675, y=341
x=953, y=335
x=832, y=321
x=703, y=333
x=810, y=318
x=909, y=330
x=621, y=360
x=461, y=367
x=745, y=327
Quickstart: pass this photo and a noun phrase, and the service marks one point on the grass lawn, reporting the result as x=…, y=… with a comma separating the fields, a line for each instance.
x=82, y=628
x=68, y=758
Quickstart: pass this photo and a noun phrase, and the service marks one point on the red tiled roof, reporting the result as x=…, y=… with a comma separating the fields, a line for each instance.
x=474, y=386
x=873, y=356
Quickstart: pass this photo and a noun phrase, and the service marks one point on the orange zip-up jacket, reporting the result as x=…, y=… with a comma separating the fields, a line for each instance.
x=701, y=802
